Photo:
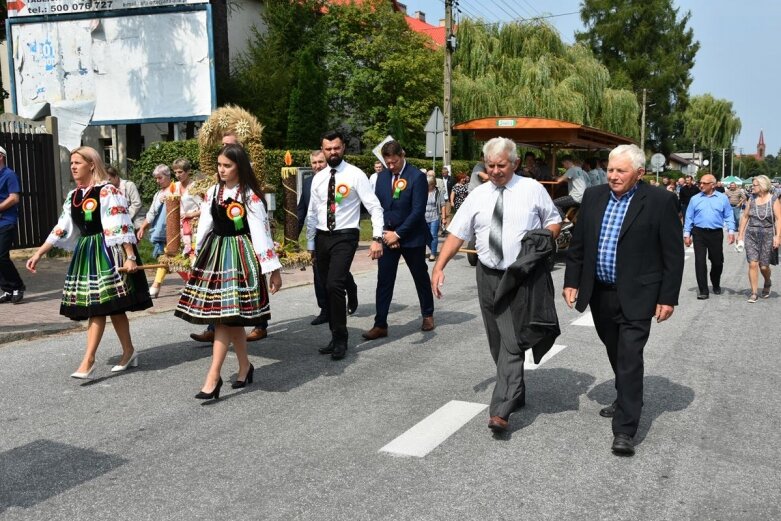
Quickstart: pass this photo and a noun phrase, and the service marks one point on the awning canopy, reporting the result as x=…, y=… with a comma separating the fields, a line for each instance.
x=543, y=133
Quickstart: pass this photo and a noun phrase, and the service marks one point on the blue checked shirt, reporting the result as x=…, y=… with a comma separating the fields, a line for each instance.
x=608, y=235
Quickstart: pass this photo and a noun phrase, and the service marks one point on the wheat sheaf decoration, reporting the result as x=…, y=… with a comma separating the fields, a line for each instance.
x=234, y=121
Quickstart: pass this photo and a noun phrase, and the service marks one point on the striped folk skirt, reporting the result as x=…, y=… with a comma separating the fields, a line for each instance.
x=94, y=287
x=226, y=285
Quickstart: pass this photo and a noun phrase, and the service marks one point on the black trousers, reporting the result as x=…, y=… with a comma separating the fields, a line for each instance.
x=387, y=268
x=322, y=295
x=624, y=341
x=9, y=275
x=509, y=391
x=335, y=252
x=708, y=241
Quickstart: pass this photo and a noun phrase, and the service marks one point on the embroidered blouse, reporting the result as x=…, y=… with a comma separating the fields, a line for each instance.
x=112, y=212
x=260, y=231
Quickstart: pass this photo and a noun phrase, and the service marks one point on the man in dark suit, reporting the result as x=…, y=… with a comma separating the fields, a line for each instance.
x=402, y=191
x=317, y=161
x=625, y=262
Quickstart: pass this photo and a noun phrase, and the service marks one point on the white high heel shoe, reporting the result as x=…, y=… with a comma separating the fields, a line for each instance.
x=154, y=291
x=133, y=362
x=89, y=375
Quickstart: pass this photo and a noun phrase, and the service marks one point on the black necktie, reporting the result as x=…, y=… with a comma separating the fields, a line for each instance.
x=330, y=213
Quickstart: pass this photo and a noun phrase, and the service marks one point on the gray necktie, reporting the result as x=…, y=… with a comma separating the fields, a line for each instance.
x=495, y=236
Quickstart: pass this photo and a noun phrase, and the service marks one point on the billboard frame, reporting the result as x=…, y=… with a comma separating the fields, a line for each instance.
x=187, y=8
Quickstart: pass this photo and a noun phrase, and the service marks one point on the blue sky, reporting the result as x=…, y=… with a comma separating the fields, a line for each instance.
x=739, y=57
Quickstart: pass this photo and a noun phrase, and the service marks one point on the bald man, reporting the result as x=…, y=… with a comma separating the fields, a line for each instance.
x=706, y=215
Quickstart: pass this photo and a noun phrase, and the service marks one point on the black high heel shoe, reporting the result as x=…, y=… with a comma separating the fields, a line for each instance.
x=214, y=394
x=248, y=380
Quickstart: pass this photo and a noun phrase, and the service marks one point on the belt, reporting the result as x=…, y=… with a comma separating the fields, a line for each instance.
x=345, y=231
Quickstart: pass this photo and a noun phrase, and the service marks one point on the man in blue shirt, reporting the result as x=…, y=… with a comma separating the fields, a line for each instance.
x=706, y=215
x=10, y=282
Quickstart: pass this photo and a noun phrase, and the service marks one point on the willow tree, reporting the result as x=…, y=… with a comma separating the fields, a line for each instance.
x=710, y=122
x=524, y=69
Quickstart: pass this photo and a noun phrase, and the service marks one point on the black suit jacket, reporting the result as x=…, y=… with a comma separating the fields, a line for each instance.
x=649, y=261
x=407, y=214
x=303, y=203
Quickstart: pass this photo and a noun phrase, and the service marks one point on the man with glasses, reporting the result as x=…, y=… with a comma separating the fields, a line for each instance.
x=706, y=215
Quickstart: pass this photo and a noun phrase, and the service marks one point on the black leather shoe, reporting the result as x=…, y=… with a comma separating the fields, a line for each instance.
x=623, y=444
x=327, y=350
x=340, y=349
x=716, y=290
x=319, y=319
x=352, y=300
x=609, y=411
x=702, y=296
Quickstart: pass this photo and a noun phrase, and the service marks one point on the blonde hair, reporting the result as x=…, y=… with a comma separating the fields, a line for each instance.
x=764, y=183
x=91, y=156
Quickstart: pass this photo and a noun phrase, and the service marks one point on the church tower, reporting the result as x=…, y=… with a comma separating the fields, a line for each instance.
x=761, y=146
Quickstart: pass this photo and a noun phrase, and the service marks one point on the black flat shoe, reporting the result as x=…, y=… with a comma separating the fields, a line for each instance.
x=215, y=394
x=238, y=384
x=339, y=350
x=609, y=411
x=623, y=445
x=327, y=350
x=319, y=319
x=352, y=301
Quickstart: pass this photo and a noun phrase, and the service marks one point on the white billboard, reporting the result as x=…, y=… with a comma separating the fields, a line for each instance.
x=115, y=70
x=57, y=7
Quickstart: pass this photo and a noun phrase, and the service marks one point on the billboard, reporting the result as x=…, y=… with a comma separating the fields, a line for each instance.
x=115, y=69
x=58, y=7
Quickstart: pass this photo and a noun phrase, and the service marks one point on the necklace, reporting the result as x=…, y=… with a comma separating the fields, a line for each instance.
x=767, y=209
x=78, y=192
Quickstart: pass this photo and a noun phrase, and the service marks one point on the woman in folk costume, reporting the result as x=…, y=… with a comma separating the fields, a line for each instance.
x=234, y=251
x=95, y=224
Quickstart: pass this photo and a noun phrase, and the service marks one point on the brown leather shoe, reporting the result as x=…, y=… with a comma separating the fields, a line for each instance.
x=256, y=334
x=375, y=333
x=206, y=336
x=497, y=424
x=428, y=324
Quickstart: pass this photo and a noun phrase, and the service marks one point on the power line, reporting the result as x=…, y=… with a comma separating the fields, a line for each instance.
x=516, y=14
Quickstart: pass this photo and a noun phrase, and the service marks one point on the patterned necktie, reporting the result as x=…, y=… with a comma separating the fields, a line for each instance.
x=330, y=213
x=495, y=236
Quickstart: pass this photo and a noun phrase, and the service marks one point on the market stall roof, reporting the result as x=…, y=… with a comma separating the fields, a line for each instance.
x=543, y=132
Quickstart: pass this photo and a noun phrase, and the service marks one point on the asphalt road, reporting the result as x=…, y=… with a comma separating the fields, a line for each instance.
x=305, y=441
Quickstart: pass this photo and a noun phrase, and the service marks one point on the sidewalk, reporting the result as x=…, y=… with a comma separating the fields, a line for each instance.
x=39, y=313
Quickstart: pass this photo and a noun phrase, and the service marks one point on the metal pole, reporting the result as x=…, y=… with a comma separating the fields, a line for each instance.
x=723, y=150
x=731, y=161
x=642, y=124
x=448, y=78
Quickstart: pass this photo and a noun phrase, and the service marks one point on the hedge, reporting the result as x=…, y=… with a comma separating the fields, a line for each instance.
x=165, y=152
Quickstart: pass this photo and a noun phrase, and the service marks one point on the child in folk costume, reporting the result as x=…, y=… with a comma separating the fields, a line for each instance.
x=189, y=204
x=95, y=224
x=234, y=251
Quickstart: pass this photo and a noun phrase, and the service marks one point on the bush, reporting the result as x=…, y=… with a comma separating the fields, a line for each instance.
x=165, y=152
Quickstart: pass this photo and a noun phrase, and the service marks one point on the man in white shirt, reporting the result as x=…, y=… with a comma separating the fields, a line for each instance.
x=378, y=167
x=498, y=214
x=577, y=181
x=333, y=230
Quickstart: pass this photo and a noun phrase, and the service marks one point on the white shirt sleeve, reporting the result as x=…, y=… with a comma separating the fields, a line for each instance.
x=260, y=231
x=115, y=217
x=206, y=222
x=64, y=234
x=370, y=201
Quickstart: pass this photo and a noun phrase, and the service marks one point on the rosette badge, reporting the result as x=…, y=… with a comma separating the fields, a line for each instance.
x=235, y=213
x=399, y=187
x=89, y=206
x=342, y=191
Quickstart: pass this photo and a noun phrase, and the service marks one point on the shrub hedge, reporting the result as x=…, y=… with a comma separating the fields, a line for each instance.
x=165, y=152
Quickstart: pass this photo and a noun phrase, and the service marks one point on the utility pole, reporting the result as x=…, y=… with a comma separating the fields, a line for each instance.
x=731, y=161
x=449, y=47
x=723, y=151
x=642, y=124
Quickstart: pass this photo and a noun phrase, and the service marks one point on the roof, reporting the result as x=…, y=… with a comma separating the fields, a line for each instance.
x=761, y=138
x=435, y=32
x=538, y=132
x=681, y=160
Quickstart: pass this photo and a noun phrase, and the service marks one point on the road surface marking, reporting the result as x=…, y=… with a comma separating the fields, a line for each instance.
x=529, y=364
x=427, y=434
x=584, y=320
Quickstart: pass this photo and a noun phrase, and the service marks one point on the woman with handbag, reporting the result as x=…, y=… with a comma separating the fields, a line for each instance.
x=760, y=230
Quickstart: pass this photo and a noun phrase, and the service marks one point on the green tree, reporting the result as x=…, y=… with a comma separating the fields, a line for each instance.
x=645, y=44
x=710, y=124
x=525, y=69
x=308, y=108
x=383, y=77
x=263, y=78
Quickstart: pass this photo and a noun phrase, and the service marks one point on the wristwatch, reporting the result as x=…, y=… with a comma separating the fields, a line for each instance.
x=377, y=239
x=131, y=257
